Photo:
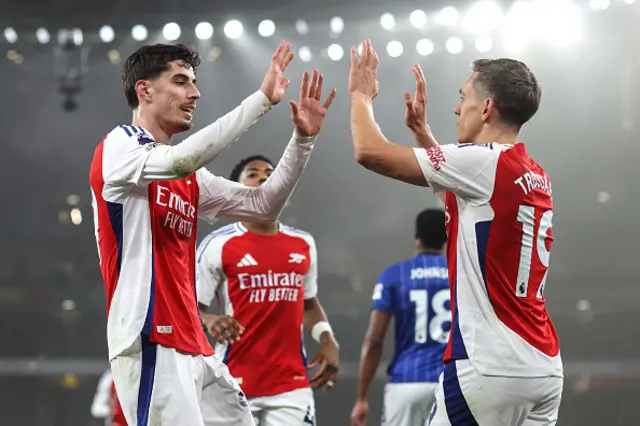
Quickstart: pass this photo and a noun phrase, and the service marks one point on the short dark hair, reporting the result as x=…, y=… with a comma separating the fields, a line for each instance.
x=512, y=85
x=150, y=61
x=238, y=168
x=430, y=229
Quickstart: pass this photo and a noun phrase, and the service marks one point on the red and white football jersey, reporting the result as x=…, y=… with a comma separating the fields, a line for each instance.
x=262, y=281
x=145, y=226
x=499, y=210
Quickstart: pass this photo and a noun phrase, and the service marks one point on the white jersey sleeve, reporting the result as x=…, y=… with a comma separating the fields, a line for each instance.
x=222, y=198
x=468, y=170
x=209, y=272
x=311, y=278
x=132, y=157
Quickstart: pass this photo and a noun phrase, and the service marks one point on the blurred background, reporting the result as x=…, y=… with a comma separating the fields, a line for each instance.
x=61, y=93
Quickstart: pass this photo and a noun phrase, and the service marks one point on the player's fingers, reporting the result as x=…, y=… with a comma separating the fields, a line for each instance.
x=284, y=53
x=319, y=88
x=354, y=58
x=330, y=99
x=376, y=59
x=423, y=81
x=364, y=56
x=294, y=108
x=323, y=367
x=287, y=60
x=285, y=83
x=407, y=99
x=304, y=86
x=276, y=54
x=313, y=86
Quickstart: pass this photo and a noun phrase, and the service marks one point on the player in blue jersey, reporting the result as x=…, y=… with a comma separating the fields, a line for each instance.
x=416, y=293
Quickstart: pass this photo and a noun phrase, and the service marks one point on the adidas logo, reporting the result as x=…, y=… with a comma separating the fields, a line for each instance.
x=247, y=260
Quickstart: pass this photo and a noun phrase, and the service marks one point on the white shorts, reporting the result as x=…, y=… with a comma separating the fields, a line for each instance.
x=295, y=408
x=159, y=386
x=464, y=397
x=407, y=404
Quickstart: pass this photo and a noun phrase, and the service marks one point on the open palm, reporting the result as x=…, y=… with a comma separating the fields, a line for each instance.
x=416, y=108
x=274, y=84
x=308, y=113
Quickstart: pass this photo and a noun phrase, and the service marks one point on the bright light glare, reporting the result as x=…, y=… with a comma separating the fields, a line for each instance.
x=599, y=4
x=483, y=17
x=204, y=30
x=520, y=26
x=454, y=45
x=76, y=216
x=562, y=21
x=336, y=25
x=424, y=47
x=302, y=27
x=43, y=36
x=305, y=54
x=629, y=1
x=139, y=32
x=449, y=16
x=418, y=18
x=171, y=31
x=394, y=48
x=335, y=52
x=233, y=29
x=107, y=35
x=10, y=35
x=266, y=28
x=483, y=43
x=387, y=21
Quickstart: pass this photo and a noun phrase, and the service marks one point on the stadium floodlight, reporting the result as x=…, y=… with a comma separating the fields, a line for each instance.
x=335, y=52
x=204, y=30
x=233, y=29
x=454, y=45
x=171, y=31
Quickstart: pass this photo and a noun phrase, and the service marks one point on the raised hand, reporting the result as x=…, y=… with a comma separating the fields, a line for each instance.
x=416, y=109
x=362, y=76
x=274, y=85
x=308, y=113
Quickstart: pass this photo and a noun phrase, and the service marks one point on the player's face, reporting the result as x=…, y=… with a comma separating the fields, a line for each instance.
x=470, y=111
x=174, y=95
x=256, y=173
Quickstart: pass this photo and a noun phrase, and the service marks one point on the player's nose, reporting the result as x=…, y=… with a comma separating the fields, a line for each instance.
x=195, y=94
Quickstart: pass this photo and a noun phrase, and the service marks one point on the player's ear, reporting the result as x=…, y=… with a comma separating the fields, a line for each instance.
x=143, y=90
x=489, y=109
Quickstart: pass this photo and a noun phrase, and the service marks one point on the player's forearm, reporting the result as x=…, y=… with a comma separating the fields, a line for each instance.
x=424, y=138
x=369, y=361
x=205, y=145
x=368, y=140
x=268, y=200
x=313, y=314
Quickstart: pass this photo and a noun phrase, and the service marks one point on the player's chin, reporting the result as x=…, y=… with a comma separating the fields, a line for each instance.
x=184, y=125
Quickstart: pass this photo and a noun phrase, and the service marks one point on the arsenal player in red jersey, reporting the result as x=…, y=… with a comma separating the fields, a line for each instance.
x=264, y=275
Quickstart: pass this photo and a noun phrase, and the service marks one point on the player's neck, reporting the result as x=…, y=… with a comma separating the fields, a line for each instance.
x=264, y=228
x=427, y=251
x=497, y=134
x=152, y=126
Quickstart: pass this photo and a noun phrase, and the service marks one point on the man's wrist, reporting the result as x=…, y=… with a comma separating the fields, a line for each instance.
x=424, y=130
x=361, y=97
x=327, y=337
